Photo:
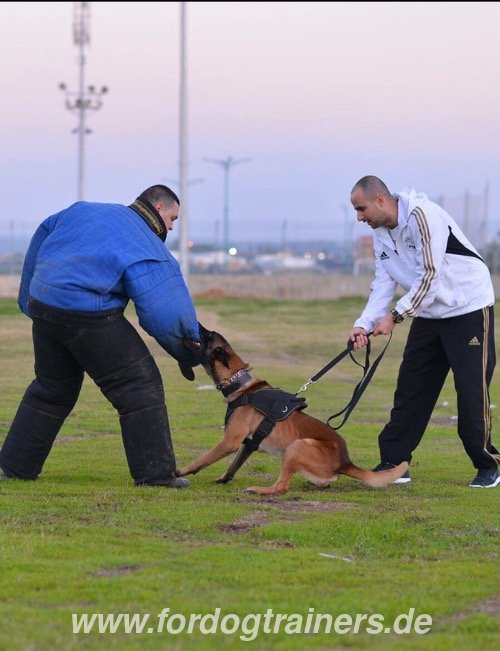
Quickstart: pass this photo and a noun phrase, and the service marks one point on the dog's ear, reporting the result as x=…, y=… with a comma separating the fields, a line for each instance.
x=204, y=333
x=222, y=355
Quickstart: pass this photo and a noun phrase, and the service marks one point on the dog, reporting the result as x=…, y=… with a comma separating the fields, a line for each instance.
x=306, y=445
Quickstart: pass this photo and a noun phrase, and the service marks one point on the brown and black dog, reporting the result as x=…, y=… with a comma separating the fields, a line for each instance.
x=305, y=444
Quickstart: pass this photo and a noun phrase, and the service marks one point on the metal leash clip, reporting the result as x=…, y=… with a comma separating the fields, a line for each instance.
x=304, y=386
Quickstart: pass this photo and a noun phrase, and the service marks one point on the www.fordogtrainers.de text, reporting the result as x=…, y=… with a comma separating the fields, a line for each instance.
x=248, y=627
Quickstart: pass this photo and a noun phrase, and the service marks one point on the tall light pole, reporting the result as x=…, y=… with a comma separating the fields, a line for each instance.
x=227, y=165
x=84, y=99
x=183, y=144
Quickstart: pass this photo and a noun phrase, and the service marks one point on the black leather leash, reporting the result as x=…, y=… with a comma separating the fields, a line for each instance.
x=359, y=389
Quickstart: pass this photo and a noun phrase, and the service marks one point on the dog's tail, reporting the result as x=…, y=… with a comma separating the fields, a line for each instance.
x=374, y=479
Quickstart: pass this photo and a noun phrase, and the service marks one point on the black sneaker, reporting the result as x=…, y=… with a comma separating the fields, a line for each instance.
x=386, y=465
x=486, y=478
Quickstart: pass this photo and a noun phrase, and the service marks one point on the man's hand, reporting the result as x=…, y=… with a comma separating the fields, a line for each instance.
x=385, y=326
x=359, y=338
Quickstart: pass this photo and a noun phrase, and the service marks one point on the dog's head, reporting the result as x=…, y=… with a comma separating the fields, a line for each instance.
x=217, y=356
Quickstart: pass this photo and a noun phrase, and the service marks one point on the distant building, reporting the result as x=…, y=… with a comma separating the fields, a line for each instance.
x=364, y=259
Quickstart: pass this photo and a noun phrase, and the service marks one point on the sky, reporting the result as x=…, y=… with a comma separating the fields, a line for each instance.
x=310, y=96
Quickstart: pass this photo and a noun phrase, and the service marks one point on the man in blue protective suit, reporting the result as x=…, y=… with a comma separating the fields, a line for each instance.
x=84, y=264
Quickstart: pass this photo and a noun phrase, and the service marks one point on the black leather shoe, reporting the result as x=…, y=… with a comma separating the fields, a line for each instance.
x=177, y=482
x=173, y=482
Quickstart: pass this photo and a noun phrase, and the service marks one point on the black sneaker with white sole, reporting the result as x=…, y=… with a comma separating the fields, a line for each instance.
x=486, y=478
x=386, y=465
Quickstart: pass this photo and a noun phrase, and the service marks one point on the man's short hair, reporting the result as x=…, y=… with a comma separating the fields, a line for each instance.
x=159, y=194
x=371, y=186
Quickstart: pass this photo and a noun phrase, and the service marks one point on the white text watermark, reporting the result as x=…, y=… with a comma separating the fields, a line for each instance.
x=249, y=627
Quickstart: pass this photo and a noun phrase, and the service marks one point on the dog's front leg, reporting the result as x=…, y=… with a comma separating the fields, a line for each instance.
x=223, y=449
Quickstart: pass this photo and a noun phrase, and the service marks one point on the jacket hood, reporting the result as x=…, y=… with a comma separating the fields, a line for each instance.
x=410, y=198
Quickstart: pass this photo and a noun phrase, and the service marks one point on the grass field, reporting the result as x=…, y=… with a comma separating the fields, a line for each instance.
x=83, y=540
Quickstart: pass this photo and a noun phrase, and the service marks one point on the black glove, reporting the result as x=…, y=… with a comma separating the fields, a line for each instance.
x=187, y=371
x=185, y=366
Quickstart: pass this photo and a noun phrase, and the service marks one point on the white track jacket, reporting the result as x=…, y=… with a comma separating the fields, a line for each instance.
x=431, y=259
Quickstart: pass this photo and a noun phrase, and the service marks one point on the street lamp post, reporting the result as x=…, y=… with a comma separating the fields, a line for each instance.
x=227, y=165
x=183, y=145
x=85, y=98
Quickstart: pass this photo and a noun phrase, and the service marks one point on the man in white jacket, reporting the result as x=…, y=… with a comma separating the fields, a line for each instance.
x=449, y=292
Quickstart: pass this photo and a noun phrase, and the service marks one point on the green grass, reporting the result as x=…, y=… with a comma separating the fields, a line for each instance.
x=83, y=539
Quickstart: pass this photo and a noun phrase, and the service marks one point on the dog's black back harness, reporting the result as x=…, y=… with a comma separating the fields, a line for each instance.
x=276, y=405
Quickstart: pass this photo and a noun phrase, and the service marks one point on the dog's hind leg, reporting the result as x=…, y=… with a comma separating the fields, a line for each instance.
x=289, y=467
x=305, y=456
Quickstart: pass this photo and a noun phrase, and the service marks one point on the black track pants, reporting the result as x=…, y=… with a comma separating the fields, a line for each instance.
x=466, y=345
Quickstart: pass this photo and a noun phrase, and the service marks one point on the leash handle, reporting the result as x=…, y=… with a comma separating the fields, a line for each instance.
x=360, y=387
x=334, y=361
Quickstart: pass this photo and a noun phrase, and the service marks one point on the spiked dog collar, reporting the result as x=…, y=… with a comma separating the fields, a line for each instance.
x=235, y=382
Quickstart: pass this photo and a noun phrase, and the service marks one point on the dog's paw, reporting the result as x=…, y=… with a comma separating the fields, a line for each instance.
x=252, y=489
x=222, y=480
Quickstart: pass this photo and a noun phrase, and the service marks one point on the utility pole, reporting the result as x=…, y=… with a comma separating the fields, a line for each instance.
x=183, y=140
x=84, y=99
x=227, y=165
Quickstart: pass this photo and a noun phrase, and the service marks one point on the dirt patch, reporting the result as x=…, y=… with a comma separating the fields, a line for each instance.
x=288, y=511
x=247, y=522
x=307, y=506
x=487, y=606
x=444, y=420
x=490, y=606
x=108, y=572
x=63, y=440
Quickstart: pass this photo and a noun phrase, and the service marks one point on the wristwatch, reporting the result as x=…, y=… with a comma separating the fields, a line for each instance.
x=396, y=316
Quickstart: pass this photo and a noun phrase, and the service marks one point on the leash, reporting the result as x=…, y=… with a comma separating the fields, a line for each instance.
x=359, y=389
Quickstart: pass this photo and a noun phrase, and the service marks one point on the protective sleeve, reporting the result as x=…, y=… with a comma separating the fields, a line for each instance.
x=164, y=306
